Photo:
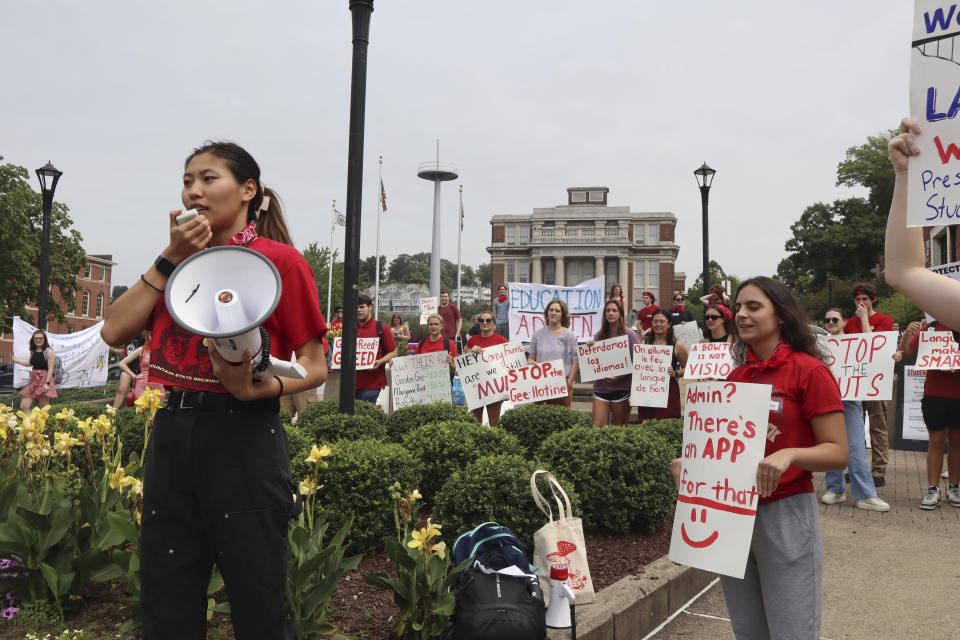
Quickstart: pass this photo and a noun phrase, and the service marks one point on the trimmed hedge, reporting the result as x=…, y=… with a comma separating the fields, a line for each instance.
x=532, y=423
x=340, y=426
x=671, y=429
x=130, y=427
x=405, y=419
x=298, y=446
x=356, y=487
x=445, y=447
x=314, y=410
x=622, y=475
x=495, y=488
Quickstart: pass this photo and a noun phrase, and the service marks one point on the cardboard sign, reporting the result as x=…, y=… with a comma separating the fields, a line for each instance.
x=914, y=428
x=536, y=382
x=933, y=191
x=605, y=359
x=708, y=360
x=688, y=333
x=428, y=306
x=862, y=363
x=366, y=352
x=528, y=301
x=724, y=437
x=937, y=350
x=650, y=383
x=420, y=379
x=951, y=270
x=483, y=377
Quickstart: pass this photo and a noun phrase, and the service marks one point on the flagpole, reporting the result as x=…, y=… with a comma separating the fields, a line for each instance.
x=459, y=240
x=333, y=225
x=376, y=257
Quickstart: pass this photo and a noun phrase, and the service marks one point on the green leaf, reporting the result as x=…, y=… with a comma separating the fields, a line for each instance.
x=60, y=520
x=107, y=572
x=121, y=523
x=50, y=576
x=66, y=579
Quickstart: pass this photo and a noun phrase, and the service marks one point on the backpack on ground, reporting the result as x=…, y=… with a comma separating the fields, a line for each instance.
x=494, y=546
x=497, y=606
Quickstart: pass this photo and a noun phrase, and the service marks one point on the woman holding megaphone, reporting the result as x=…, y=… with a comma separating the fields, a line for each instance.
x=217, y=484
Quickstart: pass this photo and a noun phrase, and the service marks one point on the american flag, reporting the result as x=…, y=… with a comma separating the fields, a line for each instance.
x=383, y=197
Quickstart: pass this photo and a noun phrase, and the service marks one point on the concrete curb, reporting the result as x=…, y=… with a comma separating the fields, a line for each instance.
x=635, y=605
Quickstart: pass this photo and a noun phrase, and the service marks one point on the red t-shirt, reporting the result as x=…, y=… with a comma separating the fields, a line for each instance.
x=179, y=358
x=429, y=346
x=803, y=388
x=877, y=322
x=938, y=383
x=645, y=316
x=375, y=378
x=450, y=314
x=483, y=343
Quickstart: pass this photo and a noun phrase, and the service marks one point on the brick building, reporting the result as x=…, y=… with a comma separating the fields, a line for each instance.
x=586, y=238
x=93, y=301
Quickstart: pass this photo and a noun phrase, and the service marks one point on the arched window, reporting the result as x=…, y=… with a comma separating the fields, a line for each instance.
x=85, y=305
x=99, y=305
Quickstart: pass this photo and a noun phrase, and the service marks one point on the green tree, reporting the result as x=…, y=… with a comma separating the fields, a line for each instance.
x=717, y=276
x=484, y=275
x=869, y=166
x=20, y=240
x=118, y=290
x=367, y=275
x=319, y=260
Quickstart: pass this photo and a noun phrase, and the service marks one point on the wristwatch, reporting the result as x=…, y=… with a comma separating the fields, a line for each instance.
x=164, y=265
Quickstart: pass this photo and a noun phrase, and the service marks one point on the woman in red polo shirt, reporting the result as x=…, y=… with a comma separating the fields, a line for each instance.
x=478, y=343
x=779, y=595
x=435, y=340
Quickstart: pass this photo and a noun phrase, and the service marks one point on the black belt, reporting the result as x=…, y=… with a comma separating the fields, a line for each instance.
x=209, y=401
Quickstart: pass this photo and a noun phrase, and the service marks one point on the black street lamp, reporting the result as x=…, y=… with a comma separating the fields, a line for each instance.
x=705, y=178
x=48, y=175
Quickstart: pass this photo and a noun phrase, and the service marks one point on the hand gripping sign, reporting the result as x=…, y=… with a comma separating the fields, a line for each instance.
x=708, y=360
x=366, y=352
x=724, y=437
x=650, y=382
x=605, y=359
x=862, y=363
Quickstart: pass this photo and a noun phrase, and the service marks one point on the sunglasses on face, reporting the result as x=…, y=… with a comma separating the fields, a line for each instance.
x=678, y=299
x=831, y=320
x=485, y=320
x=709, y=318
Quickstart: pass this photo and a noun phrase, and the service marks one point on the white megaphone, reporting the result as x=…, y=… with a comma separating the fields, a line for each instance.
x=561, y=599
x=226, y=293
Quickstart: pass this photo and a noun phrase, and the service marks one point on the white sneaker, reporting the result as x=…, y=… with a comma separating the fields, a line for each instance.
x=873, y=504
x=945, y=475
x=833, y=498
x=953, y=494
x=931, y=500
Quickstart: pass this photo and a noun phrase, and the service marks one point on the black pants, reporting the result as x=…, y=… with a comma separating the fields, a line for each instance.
x=217, y=488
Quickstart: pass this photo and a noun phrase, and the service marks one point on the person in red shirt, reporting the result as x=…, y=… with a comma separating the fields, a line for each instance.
x=371, y=381
x=868, y=320
x=645, y=315
x=476, y=344
x=435, y=340
x=779, y=595
x=337, y=322
x=941, y=414
x=217, y=484
x=451, y=316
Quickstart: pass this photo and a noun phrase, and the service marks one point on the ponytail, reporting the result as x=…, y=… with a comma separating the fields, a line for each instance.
x=270, y=223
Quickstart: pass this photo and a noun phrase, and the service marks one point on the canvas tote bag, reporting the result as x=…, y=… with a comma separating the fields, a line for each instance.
x=560, y=542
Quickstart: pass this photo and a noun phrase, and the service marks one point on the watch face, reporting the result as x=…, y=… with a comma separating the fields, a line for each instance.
x=165, y=265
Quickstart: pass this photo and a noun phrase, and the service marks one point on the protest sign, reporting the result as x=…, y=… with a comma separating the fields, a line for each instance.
x=420, y=379
x=509, y=355
x=687, y=333
x=529, y=300
x=650, y=383
x=937, y=350
x=483, y=377
x=862, y=363
x=427, y=307
x=914, y=428
x=708, y=360
x=83, y=355
x=951, y=270
x=536, y=382
x=724, y=437
x=605, y=359
x=367, y=349
x=933, y=187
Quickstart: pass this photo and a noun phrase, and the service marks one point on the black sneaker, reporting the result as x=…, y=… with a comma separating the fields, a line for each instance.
x=879, y=481
x=846, y=478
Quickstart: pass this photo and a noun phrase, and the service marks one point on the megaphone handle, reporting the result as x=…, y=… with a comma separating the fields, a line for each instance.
x=285, y=369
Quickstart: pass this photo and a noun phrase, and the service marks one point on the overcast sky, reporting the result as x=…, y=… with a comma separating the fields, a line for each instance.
x=526, y=98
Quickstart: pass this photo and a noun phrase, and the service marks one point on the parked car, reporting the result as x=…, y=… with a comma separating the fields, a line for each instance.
x=6, y=377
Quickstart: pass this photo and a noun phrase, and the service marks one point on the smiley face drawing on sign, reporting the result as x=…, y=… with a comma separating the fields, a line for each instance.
x=705, y=542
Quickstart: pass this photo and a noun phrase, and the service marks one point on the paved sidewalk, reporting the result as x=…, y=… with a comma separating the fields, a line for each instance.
x=886, y=575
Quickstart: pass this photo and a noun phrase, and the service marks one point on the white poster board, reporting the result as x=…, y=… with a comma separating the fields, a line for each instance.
x=862, y=363
x=914, y=428
x=528, y=301
x=420, y=379
x=708, y=360
x=951, y=270
x=933, y=191
x=483, y=378
x=83, y=355
x=687, y=333
x=537, y=382
x=428, y=306
x=366, y=352
x=604, y=359
x=650, y=382
x=724, y=437
x=509, y=355
x=937, y=350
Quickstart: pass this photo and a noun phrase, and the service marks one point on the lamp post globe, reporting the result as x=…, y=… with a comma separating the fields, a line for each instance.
x=48, y=175
x=704, y=175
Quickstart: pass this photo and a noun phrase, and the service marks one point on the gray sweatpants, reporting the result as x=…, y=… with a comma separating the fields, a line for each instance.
x=779, y=596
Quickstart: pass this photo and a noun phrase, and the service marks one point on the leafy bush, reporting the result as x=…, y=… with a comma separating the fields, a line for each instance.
x=494, y=488
x=406, y=418
x=314, y=410
x=532, y=423
x=622, y=474
x=298, y=446
x=130, y=427
x=340, y=426
x=84, y=410
x=357, y=487
x=285, y=417
x=671, y=429
x=444, y=447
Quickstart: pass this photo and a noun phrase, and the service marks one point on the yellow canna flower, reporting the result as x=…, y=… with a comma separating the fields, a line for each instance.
x=110, y=410
x=324, y=451
x=432, y=529
x=439, y=549
x=314, y=455
x=415, y=495
x=308, y=487
x=62, y=442
x=136, y=488
x=117, y=478
x=102, y=425
x=149, y=402
x=418, y=539
x=64, y=414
